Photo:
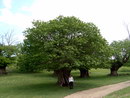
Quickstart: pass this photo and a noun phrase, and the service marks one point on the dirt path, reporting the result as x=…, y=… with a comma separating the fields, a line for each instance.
x=100, y=91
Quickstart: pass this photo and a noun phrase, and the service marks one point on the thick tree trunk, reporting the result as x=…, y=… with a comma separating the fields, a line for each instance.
x=113, y=72
x=63, y=76
x=2, y=70
x=114, y=69
x=84, y=73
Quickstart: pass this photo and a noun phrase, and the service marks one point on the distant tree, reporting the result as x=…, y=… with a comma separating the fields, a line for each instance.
x=121, y=54
x=8, y=38
x=7, y=53
x=6, y=57
x=63, y=44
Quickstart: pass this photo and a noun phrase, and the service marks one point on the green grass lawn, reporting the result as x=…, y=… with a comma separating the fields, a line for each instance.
x=124, y=93
x=43, y=85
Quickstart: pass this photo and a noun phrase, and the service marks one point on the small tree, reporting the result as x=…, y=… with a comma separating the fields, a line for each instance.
x=7, y=52
x=6, y=57
x=121, y=54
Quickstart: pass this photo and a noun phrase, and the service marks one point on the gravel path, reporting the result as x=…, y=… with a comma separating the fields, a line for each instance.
x=100, y=91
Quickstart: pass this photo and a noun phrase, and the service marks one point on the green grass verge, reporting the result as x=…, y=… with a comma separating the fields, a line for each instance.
x=124, y=93
x=43, y=85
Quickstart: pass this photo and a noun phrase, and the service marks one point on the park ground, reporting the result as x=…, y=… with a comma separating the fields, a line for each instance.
x=100, y=92
x=43, y=85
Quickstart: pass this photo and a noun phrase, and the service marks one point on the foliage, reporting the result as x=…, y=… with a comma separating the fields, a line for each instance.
x=65, y=42
x=94, y=51
x=28, y=64
x=121, y=51
x=7, y=55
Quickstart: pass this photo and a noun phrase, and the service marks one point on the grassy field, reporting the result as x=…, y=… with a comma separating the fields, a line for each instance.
x=124, y=93
x=43, y=85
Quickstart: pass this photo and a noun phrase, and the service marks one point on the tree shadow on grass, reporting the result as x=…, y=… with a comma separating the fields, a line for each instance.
x=36, y=89
x=48, y=89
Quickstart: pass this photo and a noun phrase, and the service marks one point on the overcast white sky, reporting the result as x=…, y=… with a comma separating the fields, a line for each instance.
x=108, y=15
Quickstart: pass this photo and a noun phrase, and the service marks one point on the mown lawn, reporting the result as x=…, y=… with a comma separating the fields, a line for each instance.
x=43, y=85
x=124, y=93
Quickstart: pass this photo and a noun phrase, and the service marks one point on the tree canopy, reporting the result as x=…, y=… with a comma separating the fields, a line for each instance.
x=65, y=42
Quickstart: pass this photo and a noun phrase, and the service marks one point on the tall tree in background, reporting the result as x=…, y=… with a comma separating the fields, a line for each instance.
x=63, y=44
x=121, y=54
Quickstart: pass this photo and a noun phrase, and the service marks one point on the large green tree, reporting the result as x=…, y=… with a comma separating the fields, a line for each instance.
x=121, y=54
x=63, y=44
